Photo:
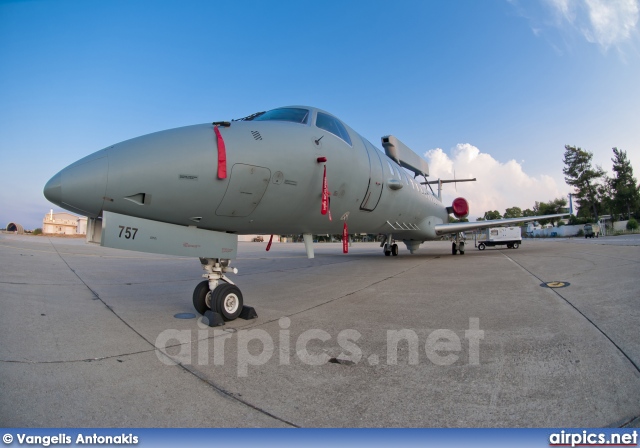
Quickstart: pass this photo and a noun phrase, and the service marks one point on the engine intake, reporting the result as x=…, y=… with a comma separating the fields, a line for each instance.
x=459, y=208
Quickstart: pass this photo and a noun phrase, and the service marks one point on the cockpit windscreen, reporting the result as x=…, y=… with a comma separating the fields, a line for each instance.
x=292, y=114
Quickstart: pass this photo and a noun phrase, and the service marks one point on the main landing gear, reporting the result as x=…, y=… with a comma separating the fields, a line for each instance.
x=218, y=298
x=457, y=246
x=390, y=248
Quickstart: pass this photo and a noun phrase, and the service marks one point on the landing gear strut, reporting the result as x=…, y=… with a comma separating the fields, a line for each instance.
x=218, y=298
x=457, y=246
x=390, y=248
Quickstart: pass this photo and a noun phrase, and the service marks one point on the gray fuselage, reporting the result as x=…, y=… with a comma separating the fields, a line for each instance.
x=273, y=185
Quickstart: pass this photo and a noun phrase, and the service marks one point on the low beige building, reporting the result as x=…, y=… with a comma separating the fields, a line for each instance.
x=64, y=223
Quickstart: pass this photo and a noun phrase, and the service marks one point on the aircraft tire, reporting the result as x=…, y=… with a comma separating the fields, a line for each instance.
x=200, y=298
x=454, y=249
x=387, y=253
x=394, y=250
x=461, y=248
x=227, y=300
x=481, y=246
x=515, y=245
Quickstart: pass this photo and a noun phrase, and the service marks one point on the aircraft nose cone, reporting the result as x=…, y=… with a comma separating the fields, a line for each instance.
x=80, y=187
x=53, y=190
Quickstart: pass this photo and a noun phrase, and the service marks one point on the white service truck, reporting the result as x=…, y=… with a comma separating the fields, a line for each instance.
x=500, y=236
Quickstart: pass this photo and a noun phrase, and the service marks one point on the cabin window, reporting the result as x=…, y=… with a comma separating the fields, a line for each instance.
x=334, y=126
x=494, y=233
x=292, y=114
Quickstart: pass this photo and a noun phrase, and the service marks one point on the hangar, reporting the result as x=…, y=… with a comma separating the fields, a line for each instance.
x=14, y=227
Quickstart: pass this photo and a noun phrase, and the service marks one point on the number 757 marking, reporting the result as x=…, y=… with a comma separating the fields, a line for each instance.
x=127, y=232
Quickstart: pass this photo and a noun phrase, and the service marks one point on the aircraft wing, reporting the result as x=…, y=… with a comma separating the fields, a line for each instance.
x=455, y=227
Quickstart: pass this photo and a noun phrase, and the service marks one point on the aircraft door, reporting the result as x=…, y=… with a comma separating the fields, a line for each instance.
x=247, y=185
x=374, y=191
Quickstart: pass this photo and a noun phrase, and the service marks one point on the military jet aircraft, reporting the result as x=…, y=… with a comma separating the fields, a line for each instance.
x=293, y=170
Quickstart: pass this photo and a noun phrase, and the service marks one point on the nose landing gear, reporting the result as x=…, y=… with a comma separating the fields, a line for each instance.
x=218, y=298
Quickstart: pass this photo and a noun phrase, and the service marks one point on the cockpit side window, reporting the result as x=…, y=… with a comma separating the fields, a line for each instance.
x=291, y=114
x=333, y=125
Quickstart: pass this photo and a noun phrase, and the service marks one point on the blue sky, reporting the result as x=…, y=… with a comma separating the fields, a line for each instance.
x=492, y=89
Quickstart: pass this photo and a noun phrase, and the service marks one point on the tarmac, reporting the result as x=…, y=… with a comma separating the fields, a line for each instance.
x=90, y=337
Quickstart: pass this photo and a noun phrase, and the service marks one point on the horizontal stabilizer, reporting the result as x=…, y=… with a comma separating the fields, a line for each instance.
x=448, y=181
x=455, y=227
x=404, y=156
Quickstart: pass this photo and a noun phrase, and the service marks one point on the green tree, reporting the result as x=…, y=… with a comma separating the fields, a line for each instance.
x=513, y=212
x=580, y=174
x=604, y=196
x=490, y=215
x=624, y=187
x=574, y=220
x=528, y=212
x=553, y=207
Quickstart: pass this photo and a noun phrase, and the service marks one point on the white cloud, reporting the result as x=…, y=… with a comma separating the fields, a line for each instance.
x=612, y=22
x=607, y=23
x=564, y=8
x=499, y=185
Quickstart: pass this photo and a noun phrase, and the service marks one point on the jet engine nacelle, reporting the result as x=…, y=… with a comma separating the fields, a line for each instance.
x=459, y=208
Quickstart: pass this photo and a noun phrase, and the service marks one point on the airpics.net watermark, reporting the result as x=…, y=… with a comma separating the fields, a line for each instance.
x=256, y=347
